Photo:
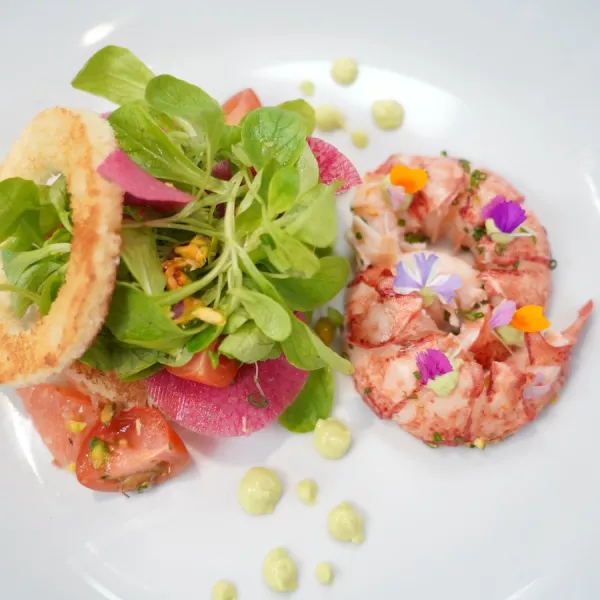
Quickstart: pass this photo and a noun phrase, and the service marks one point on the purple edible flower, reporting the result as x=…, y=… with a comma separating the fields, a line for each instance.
x=506, y=214
x=422, y=273
x=431, y=364
x=503, y=314
x=536, y=388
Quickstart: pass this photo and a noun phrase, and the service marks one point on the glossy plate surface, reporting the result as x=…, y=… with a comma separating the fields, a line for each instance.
x=512, y=85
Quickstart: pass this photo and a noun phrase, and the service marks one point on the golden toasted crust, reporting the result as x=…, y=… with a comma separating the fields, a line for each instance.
x=104, y=386
x=72, y=142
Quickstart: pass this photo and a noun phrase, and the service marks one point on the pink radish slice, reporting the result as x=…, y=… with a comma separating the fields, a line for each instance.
x=226, y=412
x=333, y=165
x=141, y=187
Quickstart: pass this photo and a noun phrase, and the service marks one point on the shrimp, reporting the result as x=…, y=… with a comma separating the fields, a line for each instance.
x=500, y=386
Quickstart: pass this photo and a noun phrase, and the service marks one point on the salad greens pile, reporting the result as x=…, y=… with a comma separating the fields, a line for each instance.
x=236, y=263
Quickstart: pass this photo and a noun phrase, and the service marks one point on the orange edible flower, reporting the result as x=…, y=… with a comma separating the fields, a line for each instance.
x=530, y=319
x=412, y=180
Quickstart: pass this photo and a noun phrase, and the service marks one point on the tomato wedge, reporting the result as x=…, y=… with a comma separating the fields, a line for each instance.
x=136, y=450
x=63, y=418
x=201, y=370
x=239, y=105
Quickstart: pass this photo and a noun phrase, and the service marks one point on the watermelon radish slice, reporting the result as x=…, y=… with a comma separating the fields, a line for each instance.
x=333, y=165
x=141, y=187
x=231, y=411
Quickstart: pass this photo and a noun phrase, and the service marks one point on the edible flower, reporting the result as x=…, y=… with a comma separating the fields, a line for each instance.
x=412, y=180
x=503, y=218
x=536, y=388
x=193, y=308
x=436, y=371
x=510, y=324
x=400, y=185
x=530, y=319
x=422, y=275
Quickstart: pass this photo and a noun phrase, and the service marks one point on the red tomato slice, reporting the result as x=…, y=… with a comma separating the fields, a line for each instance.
x=239, y=105
x=136, y=450
x=201, y=370
x=63, y=418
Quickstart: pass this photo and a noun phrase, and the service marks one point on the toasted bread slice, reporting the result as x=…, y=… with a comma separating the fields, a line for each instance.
x=75, y=143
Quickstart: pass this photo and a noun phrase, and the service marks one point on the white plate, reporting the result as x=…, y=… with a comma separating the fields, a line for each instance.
x=513, y=85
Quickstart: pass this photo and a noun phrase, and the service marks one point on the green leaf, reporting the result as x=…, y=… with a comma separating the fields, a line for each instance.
x=299, y=349
x=248, y=344
x=101, y=354
x=290, y=255
x=309, y=170
x=183, y=100
x=306, y=351
x=114, y=73
x=273, y=133
x=204, y=339
x=335, y=316
x=268, y=314
x=333, y=359
x=313, y=292
x=231, y=135
x=59, y=199
x=17, y=196
x=138, y=251
x=312, y=219
x=16, y=263
x=304, y=110
x=32, y=280
x=132, y=364
x=150, y=147
x=236, y=320
x=134, y=318
x=283, y=191
x=50, y=288
x=313, y=403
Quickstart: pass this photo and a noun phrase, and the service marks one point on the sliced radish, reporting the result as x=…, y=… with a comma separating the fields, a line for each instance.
x=142, y=189
x=333, y=165
x=237, y=410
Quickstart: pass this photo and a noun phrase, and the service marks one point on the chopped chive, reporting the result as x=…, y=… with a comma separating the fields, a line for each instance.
x=437, y=437
x=477, y=305
x=478, y=232
x=430, y=445
x=358, y=235
x=477, y=177
x=465, y=164
x=415, y=238
x=401, y=222
x=367, y=391
x=516, y=264
x=444, y=153
x=417, y=375
x=464, y=248
x=479, y=249
x=553, y=264
x=534, y=239
x=459, y=440
x=500, y=248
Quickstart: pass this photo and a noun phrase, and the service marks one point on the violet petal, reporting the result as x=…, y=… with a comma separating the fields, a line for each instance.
x=488, y=209
x=508, y=216
x=446, y=286
x=503, y=314
x=404, y=282
x=431, y=363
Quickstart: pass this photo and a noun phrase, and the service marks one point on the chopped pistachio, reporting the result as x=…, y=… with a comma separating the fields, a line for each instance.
x=98, y=453
x=108, y=412
x=76, y=426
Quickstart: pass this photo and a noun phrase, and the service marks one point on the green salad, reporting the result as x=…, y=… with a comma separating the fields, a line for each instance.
x=236, y=264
